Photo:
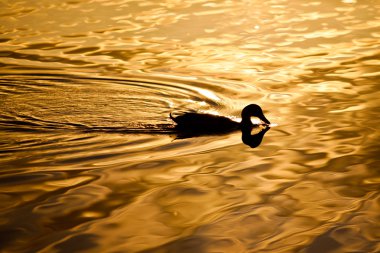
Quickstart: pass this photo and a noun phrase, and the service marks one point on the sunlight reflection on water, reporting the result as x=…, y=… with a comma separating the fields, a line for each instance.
x=90, y=161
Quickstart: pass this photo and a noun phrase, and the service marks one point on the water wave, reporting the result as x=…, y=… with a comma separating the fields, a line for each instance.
x=37, y=102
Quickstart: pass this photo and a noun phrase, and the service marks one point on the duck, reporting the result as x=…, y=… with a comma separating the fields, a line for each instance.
x=194, y=124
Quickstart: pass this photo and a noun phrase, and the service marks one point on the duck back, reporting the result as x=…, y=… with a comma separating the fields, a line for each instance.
x=204, y=123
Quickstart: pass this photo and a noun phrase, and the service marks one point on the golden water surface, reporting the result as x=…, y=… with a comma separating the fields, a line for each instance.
x=89, y=160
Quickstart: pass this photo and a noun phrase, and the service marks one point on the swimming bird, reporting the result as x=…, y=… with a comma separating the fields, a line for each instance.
x=195, y=124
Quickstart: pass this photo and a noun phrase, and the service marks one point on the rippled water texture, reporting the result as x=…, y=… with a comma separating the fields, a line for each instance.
x=91, y=162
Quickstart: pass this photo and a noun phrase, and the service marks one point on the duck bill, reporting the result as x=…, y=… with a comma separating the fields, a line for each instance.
x=265, y=120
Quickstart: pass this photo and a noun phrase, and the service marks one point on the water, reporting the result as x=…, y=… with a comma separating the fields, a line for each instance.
x=89, y=158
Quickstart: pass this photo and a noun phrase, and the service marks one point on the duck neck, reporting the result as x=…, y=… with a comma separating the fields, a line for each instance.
x=246, y=122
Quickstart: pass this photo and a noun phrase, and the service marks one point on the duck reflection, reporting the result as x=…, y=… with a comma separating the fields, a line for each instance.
x=255, y=139
x=197, y=124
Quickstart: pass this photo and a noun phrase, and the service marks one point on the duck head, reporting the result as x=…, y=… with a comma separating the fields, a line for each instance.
x=252, y=110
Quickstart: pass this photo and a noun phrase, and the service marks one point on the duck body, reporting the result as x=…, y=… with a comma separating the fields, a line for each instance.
x=193, y=124
x=204, y=123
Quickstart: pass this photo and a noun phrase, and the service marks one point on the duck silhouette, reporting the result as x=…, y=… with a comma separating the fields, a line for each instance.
x=196, y=124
